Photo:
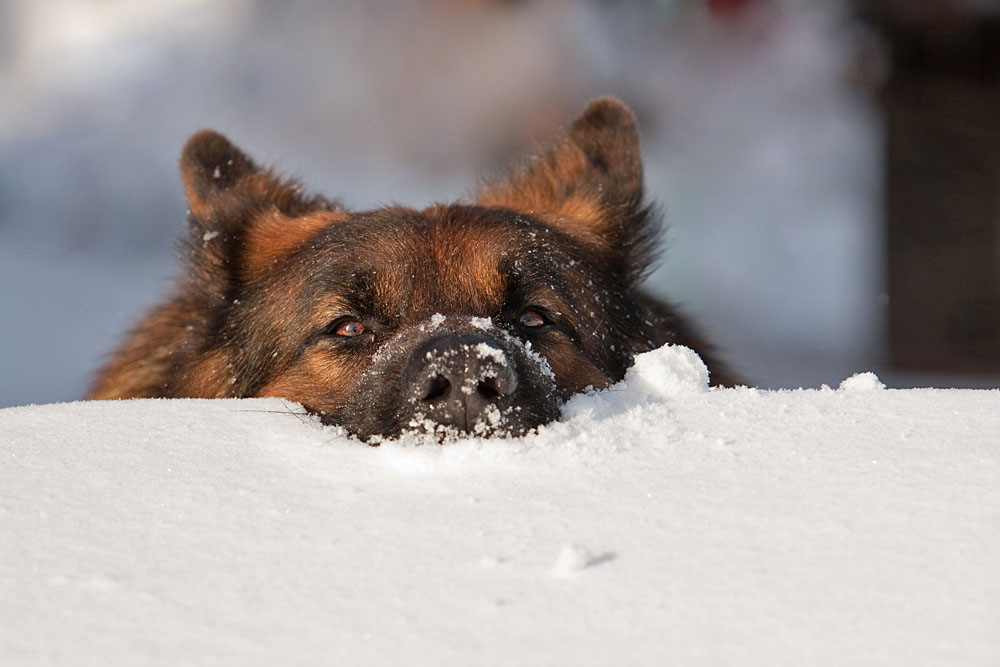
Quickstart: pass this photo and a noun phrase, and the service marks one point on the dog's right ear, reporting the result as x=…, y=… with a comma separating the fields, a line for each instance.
x=243, y=217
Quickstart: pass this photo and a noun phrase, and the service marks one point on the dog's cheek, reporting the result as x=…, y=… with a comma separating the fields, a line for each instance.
x=208, y=377
x=573, y=370
x=319, y=380
x=378, y=406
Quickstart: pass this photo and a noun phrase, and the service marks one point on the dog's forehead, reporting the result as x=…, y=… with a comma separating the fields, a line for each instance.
x=453, y=259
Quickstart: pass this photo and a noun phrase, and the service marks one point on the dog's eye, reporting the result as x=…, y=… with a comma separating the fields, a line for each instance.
x=532, y=318
x=349, y=329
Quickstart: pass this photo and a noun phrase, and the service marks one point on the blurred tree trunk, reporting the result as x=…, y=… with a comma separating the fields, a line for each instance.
x=942, y=114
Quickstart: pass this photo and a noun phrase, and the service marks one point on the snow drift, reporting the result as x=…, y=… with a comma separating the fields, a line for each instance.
x=659, y=522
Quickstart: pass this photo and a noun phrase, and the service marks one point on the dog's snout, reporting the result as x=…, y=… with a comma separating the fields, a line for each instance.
x=460, y=380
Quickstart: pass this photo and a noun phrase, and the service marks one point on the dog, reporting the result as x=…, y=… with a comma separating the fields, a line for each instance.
x=478, y=317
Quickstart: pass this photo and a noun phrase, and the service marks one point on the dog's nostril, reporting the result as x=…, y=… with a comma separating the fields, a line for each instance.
x=488, y=389
x=438, y=388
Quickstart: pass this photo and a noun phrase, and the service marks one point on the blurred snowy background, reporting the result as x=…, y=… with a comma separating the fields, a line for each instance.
x=761, y=134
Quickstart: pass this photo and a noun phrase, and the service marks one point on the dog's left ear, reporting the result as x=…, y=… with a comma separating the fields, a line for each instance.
x=589, y=185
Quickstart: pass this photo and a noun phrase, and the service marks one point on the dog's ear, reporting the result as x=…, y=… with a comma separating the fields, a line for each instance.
x=210, y=167
x=588, y=185
x=243, y=217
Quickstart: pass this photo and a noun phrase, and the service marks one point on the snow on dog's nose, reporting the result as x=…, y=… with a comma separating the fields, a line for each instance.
x=460, y=381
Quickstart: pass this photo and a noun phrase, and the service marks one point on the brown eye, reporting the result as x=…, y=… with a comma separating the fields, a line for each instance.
x=530, y=317
x=350, y=328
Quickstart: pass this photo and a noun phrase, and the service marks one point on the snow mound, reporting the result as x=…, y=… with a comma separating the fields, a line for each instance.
x=572, y=559
x=859, y=527
x=862, y=382
x=668, y=371
x=655, y=377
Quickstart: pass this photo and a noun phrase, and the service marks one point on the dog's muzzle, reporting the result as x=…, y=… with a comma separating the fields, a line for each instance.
x=461, y=381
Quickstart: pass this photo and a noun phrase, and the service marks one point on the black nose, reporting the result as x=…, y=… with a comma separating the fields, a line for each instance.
x=460, y=381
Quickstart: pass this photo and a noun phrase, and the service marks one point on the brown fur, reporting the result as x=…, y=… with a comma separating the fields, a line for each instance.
x=579, y=184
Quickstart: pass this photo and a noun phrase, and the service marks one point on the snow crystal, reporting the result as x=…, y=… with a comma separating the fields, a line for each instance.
x=490, y=422
x=208, y=236
x=861, y=382
x=487, y=351
x=437, y=319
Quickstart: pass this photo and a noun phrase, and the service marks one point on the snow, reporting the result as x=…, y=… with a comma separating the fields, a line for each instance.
x=572, y=559
x=862, y=382
x=487, y=351
x=659, y=522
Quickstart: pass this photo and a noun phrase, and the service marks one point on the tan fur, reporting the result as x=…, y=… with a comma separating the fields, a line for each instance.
x=274, y=234
x=467, y=260
x=566, y=188
x=313, y=376
x=209, y=377
x=573, y=370
x=141, y=365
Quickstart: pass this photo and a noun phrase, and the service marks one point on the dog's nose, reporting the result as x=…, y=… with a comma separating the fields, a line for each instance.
x=460, y=381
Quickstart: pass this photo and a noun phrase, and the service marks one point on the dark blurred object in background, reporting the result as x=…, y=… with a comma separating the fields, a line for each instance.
x=942, y=110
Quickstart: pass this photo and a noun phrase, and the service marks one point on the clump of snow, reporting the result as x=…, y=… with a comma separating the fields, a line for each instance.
x=437, y=319
x=208, y=236
x=667, y=371
x=655, y=377
x=861, y=382
x=487, y=351
x=491, y=420
x=572, y=559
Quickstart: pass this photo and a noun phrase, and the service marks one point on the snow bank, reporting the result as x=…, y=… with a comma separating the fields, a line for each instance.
x=659, y=523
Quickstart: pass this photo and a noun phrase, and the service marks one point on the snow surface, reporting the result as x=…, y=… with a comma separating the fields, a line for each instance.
x=659, y=522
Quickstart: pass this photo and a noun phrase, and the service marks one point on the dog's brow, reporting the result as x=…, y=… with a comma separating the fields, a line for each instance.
x=329, y=307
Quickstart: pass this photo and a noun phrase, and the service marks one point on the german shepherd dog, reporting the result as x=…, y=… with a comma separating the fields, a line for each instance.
x=477, y=317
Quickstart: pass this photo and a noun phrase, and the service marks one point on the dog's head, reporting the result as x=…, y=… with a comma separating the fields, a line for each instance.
x=480, y=316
